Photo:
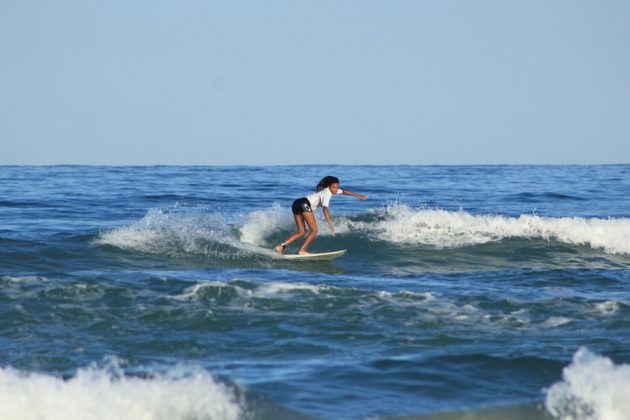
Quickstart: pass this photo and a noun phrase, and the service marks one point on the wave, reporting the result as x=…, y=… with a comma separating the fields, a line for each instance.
x=401, y=224
x=170, y=232
x=107, y=393
x=421, y=309
x=213, y=289
x=22, y=279
x=197, y=231
x=593, y=388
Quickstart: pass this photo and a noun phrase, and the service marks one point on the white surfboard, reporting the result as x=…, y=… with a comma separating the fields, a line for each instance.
x=315, y=257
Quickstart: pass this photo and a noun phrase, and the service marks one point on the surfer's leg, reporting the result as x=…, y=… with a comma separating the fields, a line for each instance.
x=309, y=217
x=300, y=223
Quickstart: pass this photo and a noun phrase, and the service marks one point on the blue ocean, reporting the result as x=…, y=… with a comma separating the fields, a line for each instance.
x=468, y=292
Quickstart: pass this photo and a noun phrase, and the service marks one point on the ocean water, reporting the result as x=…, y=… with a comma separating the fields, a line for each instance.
x=477, y=292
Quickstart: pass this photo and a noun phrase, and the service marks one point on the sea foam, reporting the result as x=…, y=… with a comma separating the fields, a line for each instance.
x=403, y=224
x=260, y=291
x=257, y=226
x=106, y=393
x=418, y=308
x=593, y=388
x=192, y=232
x=207, y=233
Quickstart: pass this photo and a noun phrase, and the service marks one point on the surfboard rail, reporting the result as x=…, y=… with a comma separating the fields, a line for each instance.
x=319, y=256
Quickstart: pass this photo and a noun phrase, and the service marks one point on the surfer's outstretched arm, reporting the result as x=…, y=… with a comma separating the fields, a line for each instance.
x=359, y=196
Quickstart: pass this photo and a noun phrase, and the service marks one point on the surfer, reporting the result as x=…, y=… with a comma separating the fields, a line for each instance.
x=304, y=207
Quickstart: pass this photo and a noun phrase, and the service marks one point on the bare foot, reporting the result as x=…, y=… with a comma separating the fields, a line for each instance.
x=304, y=252
x=278, y=249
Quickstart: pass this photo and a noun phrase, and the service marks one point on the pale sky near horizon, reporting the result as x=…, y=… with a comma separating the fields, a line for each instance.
x=305, y=82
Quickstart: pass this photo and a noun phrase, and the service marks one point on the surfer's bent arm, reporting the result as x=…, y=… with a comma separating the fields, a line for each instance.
x=330, y=225
x=359, y=196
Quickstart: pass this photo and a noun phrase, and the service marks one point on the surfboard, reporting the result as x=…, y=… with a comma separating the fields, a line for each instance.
x=322, y=256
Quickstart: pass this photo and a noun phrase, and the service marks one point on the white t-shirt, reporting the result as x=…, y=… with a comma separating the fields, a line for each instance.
x=321, y=198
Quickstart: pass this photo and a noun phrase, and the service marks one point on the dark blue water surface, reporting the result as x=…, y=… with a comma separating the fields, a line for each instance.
x=131, y=292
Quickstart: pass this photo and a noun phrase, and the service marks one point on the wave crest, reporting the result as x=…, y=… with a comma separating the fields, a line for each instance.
x=106, y=393
x=254, y=233
x=593, y=388
x=402, y=224
x=176, y=232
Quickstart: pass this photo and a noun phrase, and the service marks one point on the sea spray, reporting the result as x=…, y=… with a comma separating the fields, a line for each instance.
x=402, y=224
x=593, y=388
x=108, y=393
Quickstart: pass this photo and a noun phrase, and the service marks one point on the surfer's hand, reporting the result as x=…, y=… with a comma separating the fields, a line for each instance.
x=362, y=197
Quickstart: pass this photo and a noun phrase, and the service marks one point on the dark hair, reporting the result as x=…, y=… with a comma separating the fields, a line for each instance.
x=325, y=182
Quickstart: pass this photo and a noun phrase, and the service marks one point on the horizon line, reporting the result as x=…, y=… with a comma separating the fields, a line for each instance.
x=149, y=165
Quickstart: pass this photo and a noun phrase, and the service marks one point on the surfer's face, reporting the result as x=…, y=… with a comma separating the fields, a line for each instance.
x=334, y=188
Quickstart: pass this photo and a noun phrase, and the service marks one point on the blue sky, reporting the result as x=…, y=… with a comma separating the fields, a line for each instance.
x=314, y=82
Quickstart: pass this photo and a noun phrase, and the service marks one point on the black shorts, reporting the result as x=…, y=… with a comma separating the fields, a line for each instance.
x=301, y=205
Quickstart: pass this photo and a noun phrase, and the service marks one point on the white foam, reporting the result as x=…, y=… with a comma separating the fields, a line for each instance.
x=555, y=321
x=258, y=225
x=274, y=289
x=193, y=291
x=23, y=279
x=609, y=307
x=106, y=393
x=261, y=291
x=431, y=307
x=194, y=232
x=424, y=307
x=399, y=223
x=425, y=296
x=593, y=388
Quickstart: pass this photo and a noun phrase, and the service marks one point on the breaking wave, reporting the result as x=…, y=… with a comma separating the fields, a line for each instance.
x=175, y=232
x=207, y=233
x=402, y=224
x=107, y=393
x=593, y=388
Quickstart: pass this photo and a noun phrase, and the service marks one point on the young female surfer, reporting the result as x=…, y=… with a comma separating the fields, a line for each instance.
x=304, y=207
